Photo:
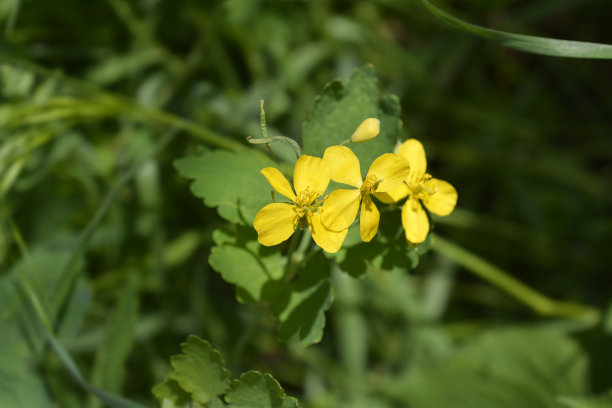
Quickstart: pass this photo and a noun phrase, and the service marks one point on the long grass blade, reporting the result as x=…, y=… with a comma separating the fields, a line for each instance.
x=528, y=43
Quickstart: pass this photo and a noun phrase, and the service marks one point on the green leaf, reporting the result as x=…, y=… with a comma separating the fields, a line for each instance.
x=243, y=261
x=301, y=307
x=388, y=251
x=527, y=43
x=109, y=368
x=341, y=107
x=170, y=390
x=506, y=368
x=199, y=370
x=258, y=271
x=22, y=334
x=230, y=181
x=256, y=390
x=599, y=401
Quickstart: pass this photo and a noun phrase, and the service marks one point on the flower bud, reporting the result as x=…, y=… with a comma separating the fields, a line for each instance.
x=367, y=130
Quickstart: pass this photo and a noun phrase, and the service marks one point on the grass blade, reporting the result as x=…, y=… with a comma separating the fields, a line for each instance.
x=528, y=43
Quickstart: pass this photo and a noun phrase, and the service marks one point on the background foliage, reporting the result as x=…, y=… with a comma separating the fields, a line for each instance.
x=102, y=237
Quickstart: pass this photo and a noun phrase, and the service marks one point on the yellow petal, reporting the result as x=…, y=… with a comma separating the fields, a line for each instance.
x=367, y=130
x=393, y=196
x=413, y=151
x=279, y=182
x=391, y=169
x=310, y=174
x=443, y=199
x=275, y=223
x=340, y=209
x=329, y=240
x=369, y=219
x=414, y=220
x=343, y=165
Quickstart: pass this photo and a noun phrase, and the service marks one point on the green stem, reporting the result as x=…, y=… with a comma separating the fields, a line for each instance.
x=296, y=253
x=270, y=139
x=491, y=273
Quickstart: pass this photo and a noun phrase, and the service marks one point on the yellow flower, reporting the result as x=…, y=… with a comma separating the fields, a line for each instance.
x=367, y=130
x=276, y=222
x=341, y=206
x=421, y=188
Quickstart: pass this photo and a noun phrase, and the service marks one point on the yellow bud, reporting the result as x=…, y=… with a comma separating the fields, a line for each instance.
x=367, y=130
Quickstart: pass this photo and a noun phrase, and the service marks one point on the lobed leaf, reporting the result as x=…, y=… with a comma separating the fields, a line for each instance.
x=388, y=251
x=302, y=305
x=199, y=370
x=256, y=390
x=341, y=107
x=254, y=269
x=230, y=181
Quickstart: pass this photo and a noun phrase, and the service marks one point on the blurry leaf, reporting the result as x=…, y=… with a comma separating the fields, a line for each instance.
x=181, y=248
x=341, y=107
x=243, y=261
x=301, y=307
x=602, y=401
x=503, y=369
x=23, y=336
x=257, y=390
x=199, y=370
x=528, y=43
x=118, y=67
x=170, y=390
x=230, y=181
x=109, y=369
x=607, y=321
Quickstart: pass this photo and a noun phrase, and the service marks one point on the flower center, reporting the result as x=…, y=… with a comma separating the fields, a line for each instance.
x=370, y=184
x=306, y=203
x=419, y=190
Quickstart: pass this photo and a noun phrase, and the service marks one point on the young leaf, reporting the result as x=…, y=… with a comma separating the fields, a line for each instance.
x=341, y=107
x=527, y=43
x=200, y=371
x=256, y=390
x=230, y=181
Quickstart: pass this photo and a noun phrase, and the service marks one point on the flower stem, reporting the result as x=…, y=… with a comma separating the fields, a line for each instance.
x=270, y=139
x=523, y=293
x=295, y=254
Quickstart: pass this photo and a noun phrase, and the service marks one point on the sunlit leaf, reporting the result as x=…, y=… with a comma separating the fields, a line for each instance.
x=229, y=181
x=241, y=260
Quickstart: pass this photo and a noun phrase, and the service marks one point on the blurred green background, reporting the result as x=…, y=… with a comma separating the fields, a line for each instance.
x=90, y=89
